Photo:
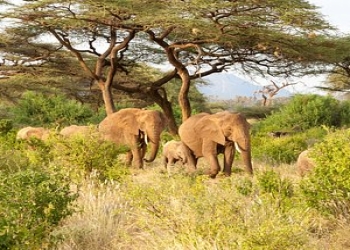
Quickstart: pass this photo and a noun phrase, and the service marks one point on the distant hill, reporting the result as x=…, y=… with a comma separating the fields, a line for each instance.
x=226, y=86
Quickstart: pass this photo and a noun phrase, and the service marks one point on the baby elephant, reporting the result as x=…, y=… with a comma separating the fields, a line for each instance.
x=174, y=151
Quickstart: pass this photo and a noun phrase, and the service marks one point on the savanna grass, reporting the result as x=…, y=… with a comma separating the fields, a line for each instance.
x=155, y=210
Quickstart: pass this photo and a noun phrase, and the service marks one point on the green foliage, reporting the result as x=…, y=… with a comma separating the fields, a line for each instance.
x=32, y=203
x=36, y=109
x=5, y=126
x=271, y=182
x=304, y=112
x=328, y=185
x=305, y=120
x=344, y=113
x=81, y=156
x=245, y=186
x=278, y=150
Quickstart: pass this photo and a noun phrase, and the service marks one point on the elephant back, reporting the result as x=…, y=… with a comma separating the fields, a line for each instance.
x=73, y=130
x=33, y=132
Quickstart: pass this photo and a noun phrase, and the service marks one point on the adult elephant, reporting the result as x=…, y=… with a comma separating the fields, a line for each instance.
x=207, y=135
x=135, y=128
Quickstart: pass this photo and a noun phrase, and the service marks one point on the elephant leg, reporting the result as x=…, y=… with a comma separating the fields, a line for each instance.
x=191, y=163
x=209, y=152
x=229, y=155
x=137, y=159
x=129, y=158
x=143, y=149
x=171, y=161
x=165, y=162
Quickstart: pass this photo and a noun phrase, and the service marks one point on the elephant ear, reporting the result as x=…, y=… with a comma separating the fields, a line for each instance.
x=208, y=127
x=147, y=117
x=142, y=119
x=134, y=127
x=127, y=120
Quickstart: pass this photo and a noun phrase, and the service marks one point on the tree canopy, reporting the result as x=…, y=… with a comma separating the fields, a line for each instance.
x=110, y=39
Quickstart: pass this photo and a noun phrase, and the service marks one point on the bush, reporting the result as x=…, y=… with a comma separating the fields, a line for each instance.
x=327, y=187
x=271, y=182
x=32, y=203
x=304, y=112
x=344, y=113
x=5, y=126
x=285, y=149
x=36, y=109
x=81, y=156
x=279, y=150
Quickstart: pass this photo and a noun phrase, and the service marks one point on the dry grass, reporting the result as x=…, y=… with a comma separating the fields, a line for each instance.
x=156, y=209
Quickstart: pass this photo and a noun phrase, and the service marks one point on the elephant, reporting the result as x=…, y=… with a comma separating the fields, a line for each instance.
x=174, y=151
x=135, y=128
x=208, y=135
x=33, y=132
x=304, y=162
x=74, y=130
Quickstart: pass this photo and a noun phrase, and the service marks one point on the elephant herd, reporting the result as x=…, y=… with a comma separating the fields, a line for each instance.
x=202, y=135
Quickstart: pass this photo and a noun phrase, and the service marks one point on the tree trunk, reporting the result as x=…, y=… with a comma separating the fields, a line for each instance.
x=107, y=97
x=168, y=111
x=166, y=106
x=183, y=94
x=181, y=71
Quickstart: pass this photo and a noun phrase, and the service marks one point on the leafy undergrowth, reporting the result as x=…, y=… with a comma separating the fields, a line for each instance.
x=154, y=208
x=157, y=209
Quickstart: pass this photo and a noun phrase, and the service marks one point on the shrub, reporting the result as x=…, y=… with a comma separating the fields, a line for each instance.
x=304, y=112
x=84, y=155
x=5, y=126
x=278, y=150
x=36, y=109
x=344, y=113
x=286, y=148
x=327, y=187
x=32, y=203
x=271, y=182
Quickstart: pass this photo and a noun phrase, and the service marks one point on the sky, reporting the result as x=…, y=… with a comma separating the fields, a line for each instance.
x=336, y=12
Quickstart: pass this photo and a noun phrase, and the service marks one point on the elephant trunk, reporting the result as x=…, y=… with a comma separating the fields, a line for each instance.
x=247, y=159
x=153, y=152
x=153, y=139
x=246, y=156
x=243, y=147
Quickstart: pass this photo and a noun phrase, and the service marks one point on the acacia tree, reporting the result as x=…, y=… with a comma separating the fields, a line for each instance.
x=338, y=79
x=197, y=38
x=268, y=92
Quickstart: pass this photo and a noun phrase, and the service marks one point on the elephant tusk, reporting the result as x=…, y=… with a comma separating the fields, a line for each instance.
x=146, y=140
x=237, y=147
